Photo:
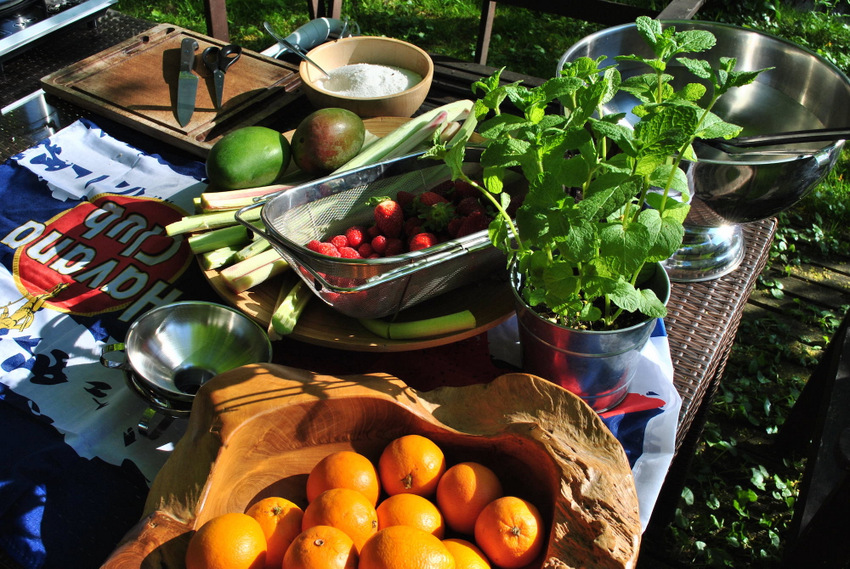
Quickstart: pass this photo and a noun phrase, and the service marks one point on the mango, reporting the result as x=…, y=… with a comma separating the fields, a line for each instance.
x=326, y=139
x=247, y=157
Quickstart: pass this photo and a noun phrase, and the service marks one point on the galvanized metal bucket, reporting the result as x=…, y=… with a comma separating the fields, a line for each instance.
x=598, y=366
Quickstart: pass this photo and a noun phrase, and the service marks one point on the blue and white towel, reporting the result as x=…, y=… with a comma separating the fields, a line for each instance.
x=83, y=252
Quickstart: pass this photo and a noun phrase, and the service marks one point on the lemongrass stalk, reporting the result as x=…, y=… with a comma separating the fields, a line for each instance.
x=437, y=326
x=231, y=236
x=205, y=221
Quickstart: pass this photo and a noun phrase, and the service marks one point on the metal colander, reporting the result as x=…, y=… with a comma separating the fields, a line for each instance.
x=371, y=288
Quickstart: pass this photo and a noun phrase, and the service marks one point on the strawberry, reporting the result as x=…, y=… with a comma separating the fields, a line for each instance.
x=454, y=226
x=395, y=246
x=379, y=244
x=339, y=241
x=464, y=190
x=422, y=241
x=467, y=205
x=427, y=199
x=437, y=217
x=349, y=253
x=475, y=221
x=355, y=235
x=412, y=226
x=323, y=247
x=444, y=188
x=389, y=217
x=404, y=198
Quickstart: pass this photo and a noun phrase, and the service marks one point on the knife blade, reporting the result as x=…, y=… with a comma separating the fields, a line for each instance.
x=218, y=86
x=187, y=82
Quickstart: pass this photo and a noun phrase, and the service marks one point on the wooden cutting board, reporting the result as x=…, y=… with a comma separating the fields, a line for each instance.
x=135, y=84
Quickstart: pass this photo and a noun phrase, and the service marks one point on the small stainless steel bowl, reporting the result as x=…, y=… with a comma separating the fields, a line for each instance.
x=172, y=350
x=176, y=348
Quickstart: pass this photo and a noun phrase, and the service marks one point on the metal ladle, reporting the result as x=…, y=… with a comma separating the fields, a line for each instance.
x=739, y=144
x=293, y=48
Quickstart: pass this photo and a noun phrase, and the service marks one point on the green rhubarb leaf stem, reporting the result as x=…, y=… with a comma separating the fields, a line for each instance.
x=231, y=236
x=289, y=308
x=428, y=327
x=204, y=221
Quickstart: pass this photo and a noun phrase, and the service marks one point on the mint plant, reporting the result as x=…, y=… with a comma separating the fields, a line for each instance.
x=605, y=199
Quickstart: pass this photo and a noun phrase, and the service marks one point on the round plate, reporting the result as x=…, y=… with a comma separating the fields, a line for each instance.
x=490, y=300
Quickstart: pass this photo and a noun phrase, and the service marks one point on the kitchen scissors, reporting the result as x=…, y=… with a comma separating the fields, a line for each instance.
x=218, y=59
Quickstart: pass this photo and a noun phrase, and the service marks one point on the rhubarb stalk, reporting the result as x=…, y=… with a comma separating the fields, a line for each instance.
x=437, y=326
x=291, y=303
x=246, y=274
x=408, y=135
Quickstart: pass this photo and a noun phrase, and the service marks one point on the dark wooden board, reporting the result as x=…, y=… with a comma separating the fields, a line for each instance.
x=135, y=84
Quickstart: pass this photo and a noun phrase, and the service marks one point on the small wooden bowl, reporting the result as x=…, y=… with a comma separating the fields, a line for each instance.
x=257, y=431
x=377, y=51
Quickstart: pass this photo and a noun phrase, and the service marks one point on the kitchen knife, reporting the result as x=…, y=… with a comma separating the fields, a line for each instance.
x=187, y=82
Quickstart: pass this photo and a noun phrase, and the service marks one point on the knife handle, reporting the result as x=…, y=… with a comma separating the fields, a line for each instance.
x=187, y=54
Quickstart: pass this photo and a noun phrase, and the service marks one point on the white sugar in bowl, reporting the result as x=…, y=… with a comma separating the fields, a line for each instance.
x=371, y=76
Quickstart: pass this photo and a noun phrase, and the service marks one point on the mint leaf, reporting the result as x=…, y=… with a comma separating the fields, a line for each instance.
x=623, y=248
x=693, y=41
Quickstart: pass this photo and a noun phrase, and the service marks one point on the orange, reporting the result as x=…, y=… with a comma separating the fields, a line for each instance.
x=463, y=492
x=280, y=520
x=411, y=464
x=509, y=530
x=345, y=509
x=405, y=547
x=344, y=469
x=321, y=547
x=228, y=541
x=411, y=510
x=466, y=555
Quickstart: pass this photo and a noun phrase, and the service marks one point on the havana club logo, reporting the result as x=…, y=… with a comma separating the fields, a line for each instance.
x=99, y=256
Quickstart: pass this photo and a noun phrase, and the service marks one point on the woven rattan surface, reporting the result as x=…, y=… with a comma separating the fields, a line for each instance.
x=703, y=318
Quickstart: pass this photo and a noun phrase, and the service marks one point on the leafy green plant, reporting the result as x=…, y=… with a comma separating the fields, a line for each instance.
x=583, y=252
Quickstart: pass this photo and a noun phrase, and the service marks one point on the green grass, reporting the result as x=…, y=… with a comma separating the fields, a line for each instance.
x=739, y=497
x=521, y=40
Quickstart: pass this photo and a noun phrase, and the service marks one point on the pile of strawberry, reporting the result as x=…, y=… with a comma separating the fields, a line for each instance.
x=411, y=222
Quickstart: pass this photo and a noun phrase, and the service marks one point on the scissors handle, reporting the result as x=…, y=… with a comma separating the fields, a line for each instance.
x=228, y=56
x=220, y=58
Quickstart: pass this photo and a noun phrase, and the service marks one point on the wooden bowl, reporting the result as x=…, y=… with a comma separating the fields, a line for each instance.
x=257, y=431
x=377, y=51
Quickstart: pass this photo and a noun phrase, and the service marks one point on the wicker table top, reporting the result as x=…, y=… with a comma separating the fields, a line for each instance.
x=703, y=317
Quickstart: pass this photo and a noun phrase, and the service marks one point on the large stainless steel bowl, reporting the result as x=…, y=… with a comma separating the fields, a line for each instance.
x=801, y=91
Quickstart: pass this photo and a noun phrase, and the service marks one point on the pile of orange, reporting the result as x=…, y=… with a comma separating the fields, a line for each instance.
x=410, y=511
